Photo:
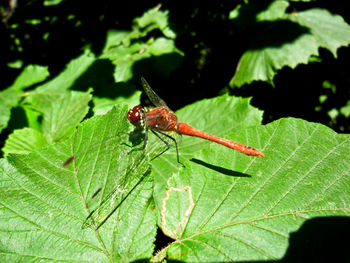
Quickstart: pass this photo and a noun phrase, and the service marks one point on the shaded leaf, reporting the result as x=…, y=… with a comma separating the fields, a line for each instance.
x=8, y=99
x=345, y=110
x=33, y=116
x=276, y=10
x=115, y=38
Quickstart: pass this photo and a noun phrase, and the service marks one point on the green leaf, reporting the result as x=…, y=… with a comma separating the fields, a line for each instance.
x=8, y=99
x=30, y=75
x=52, y=2
x=345, y=110
x=62, y=111
x=161, y=46
x=125, y=57
x=276, y=10
x=115, y=38
x=24, y=141
x=221, y=116
x=329, y=31
x=44, y=205
x=290, y=40
x=262, y=64
x=33, y=116
x=225, y=206
x=125, y=49
x=155, y=18
x=103, y=105
x=69, y=76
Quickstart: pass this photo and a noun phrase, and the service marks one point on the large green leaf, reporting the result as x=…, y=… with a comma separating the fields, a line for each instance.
x=44, y=204
x=289, y=40
x=220, y=116
x=225, y=206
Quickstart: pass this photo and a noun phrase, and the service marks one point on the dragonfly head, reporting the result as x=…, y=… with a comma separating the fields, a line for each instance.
x=136, y=115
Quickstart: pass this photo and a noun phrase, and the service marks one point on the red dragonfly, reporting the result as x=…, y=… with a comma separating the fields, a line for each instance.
x=158, y=120
x=161, y=119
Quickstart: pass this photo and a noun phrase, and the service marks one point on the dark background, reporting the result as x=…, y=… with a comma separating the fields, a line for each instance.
x=212, y=45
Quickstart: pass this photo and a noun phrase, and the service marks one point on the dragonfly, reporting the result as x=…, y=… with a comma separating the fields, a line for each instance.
x=161, y=119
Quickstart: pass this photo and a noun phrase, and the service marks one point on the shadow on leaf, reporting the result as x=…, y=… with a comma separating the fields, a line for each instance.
x=219, y=169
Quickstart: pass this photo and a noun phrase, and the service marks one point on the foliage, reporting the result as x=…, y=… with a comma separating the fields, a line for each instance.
x=71, y=188
x=289, y=40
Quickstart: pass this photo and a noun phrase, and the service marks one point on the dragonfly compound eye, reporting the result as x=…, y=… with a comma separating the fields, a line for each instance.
x=134, y=115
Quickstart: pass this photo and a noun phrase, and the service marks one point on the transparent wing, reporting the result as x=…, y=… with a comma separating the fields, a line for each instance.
x=128, y=172
x=130, y=178
x=132, y=170
x=154, y=98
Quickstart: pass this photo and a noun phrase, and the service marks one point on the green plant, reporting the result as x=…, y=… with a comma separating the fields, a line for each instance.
x=223, y=206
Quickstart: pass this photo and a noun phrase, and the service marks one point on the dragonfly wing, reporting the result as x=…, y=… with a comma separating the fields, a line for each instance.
x=126, y=176
x=107, y=207
x=155, y=99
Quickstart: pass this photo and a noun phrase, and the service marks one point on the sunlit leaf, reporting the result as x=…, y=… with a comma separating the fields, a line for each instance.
x=225, y=206
x=289, y=40
x=72, y=72
x=30, y=75
x=125, y=49
x=155, y=18
x=24, y=141
x=219, y=116
x=44, y=205
x=61, y=111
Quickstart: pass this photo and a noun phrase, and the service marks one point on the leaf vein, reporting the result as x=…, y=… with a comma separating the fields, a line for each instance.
x=306, y=174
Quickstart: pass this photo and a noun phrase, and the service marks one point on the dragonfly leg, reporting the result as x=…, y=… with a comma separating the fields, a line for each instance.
x=168, y=146
x=144, y=143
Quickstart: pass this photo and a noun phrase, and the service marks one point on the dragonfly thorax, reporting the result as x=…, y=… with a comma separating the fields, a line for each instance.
x=136, y=115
